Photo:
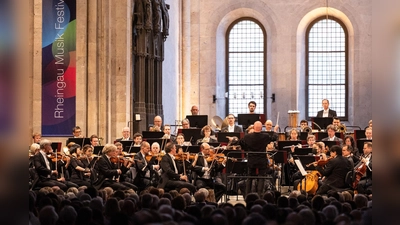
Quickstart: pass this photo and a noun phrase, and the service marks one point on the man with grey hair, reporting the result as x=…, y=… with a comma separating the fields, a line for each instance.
x=43, y=167
x=126, y=134
x=109, y=170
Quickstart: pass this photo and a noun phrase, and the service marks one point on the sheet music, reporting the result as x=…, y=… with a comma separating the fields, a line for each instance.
x=300, y=166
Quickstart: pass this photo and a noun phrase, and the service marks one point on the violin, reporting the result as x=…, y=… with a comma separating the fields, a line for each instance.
x=185, y=156
x=57, y=157
x=157, y=157
x=321, y=162
x=120, y=159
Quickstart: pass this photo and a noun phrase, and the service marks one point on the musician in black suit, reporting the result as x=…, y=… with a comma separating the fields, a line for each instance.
x=47, y=176
x=326, y=112
x=256, y=142
x=108, y=171
x=144, y=169
x=334, y=171
x=331, y=135
x=170, y=178
x=126, y=135
x=231, y=125
x=80, y=174
x=205, y=172
x=364, y=186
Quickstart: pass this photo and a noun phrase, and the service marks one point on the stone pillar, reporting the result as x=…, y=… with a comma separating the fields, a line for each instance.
x=186, y=59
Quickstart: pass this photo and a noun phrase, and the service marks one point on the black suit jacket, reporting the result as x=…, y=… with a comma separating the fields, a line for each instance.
x=216, y=167
x=256, y=142
x=331, y=113
x=106, y=170
x=335, y=171
x=235, y=129
x=168, y=171
x=141, y=165
x=40, y=166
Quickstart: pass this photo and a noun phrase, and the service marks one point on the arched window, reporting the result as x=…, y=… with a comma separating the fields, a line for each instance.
x=245, y=66
x=327, y=66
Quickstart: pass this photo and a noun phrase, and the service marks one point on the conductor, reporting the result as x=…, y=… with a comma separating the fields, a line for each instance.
x=256, y=142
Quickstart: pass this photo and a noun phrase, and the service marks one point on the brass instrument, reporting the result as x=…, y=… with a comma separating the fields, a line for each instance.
x=342, y=128
x=307, y=129
x=155, y=128
x=217, y=123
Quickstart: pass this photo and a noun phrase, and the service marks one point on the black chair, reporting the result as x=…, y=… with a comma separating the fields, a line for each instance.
x=33, y=178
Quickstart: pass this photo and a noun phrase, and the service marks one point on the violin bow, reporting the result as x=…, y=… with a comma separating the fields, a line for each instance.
x=130, y=147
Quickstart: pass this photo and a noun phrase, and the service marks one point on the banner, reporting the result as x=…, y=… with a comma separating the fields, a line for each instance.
x=58, y=67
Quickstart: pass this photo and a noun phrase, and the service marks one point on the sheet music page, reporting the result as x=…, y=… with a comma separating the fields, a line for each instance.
x=300, y=166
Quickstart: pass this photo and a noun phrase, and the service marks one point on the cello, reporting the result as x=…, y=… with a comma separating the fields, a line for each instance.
x=359, y=172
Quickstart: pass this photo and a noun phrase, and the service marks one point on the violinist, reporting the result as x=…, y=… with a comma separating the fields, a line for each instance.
x=364, y=186
x=89, y=161
x=144, y=169
x=87, y=157
x=347, y=153
x=108, y=171
x=80, y=174
x=334, y=171
x=124, y=161
x=170, y=177
x=43, y=167
x=206, y=172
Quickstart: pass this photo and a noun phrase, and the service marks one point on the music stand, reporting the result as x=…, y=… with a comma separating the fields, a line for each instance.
x=214, y=144
x=152, y=134
x=360, y=145
x=222, y=136
x=193, y=148
x=303, y=135
x=287, y=144
x=80, y=141
x=56, y=146
x=247, y=119
x=198, y=121
x=358, y=134
x=323, y=122
x=97, y=150
x=132, y=149
x=192, y=134
x=302, y=151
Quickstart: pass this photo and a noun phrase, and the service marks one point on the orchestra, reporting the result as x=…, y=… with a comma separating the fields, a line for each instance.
x=76, y=165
